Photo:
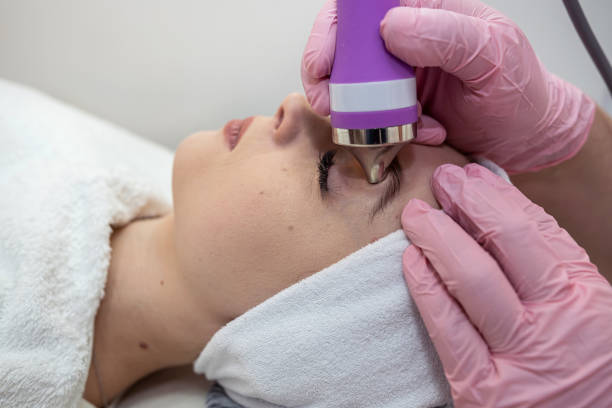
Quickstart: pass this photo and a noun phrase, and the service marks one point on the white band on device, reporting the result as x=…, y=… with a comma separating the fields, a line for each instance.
x=373, y=96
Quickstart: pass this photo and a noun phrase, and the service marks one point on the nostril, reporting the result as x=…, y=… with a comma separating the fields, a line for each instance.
x=279, y=116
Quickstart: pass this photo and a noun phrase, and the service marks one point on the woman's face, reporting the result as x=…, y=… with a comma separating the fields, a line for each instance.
x=256, y=210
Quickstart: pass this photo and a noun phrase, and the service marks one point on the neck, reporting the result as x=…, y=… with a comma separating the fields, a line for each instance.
x=148, y=319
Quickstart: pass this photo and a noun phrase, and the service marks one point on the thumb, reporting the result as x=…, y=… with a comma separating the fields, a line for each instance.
x=429, y=131
x=455, y=338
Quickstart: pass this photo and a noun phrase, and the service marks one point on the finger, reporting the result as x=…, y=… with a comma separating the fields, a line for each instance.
x=469, y=273
x=460, y=45
x=318, y=58
x=317, y=93
x=577, y=262
x=473, y=8
x=430, y=131
x=457, y=342
x=529, y=245
x=321, y=46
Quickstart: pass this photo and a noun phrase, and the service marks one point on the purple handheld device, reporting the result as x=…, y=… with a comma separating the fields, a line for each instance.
x=373, y=99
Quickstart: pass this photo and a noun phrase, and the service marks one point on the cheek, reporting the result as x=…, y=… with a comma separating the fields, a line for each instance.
x=236, y=228
x=422, y=191
x=224, y=244
x=419, y=163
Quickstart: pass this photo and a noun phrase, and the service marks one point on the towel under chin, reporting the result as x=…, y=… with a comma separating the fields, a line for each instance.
x=348, y=336
x=65, y=178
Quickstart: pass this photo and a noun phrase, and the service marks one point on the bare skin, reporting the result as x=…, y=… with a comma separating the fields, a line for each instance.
x=163, y=305
x=140, y=321
x=246, y=224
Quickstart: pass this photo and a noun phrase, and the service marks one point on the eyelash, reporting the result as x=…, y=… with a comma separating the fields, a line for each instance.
x=393, y=188
x=325, y=163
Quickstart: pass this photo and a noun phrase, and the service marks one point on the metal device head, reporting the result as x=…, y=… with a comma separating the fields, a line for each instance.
x=375, y=149
x=372, y=94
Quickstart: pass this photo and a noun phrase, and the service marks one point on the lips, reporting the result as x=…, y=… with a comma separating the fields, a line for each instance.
x=234, y=129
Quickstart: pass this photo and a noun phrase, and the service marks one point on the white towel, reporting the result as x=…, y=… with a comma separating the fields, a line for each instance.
x=349, y=336
x=65, y=178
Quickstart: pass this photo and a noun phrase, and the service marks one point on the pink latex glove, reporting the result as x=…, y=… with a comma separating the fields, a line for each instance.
x=517, y=313
x=477, y=74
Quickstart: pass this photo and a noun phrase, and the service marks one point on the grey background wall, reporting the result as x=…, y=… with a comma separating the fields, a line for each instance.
x=165, y=68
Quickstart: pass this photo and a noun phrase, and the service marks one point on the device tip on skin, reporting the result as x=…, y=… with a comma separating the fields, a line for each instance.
x=375, y=148
x=375, y=162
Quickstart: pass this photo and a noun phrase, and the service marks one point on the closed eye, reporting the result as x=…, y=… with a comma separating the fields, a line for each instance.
x=393, y=188
x=326, y=161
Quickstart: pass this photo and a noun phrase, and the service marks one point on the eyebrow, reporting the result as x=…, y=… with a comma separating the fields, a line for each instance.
x=390, y=192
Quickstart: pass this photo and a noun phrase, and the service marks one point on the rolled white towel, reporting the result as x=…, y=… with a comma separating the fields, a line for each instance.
x=65, y=178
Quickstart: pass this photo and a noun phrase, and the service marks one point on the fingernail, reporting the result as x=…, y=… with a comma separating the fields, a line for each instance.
x=446, y=182
x=414, y=209
x=411, y=261
x=384, y=22
x=474, y=170
x=430, y=131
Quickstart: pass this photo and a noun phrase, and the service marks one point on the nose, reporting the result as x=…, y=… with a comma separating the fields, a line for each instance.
x=295, y=118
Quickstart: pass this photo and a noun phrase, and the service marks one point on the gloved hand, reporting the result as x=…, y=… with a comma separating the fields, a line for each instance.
x=477, y=74
x=517, y=313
